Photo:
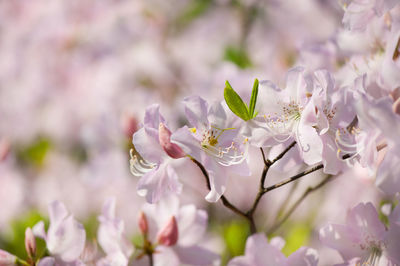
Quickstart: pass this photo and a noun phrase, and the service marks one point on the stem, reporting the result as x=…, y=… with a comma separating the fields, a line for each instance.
x=283, y=152
x=151, y=261
x=293, y=178
x=225, y=201
x=267, y=165
x=22, y=262
x=297, y=203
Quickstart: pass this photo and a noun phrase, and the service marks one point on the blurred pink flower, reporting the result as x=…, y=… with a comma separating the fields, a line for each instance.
x=65, y=238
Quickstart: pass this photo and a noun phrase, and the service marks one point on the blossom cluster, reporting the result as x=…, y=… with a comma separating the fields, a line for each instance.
x=331, y=125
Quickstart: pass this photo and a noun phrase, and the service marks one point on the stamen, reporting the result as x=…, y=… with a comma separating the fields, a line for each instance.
x=224, y=155
x=139, y=167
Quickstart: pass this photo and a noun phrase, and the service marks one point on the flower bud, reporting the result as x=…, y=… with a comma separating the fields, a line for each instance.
x=143, y=225
x=171, y=149
x=168, y=236
x=7, y=259
x=4, y=149
x=129, y=125
x=30, y=243
x=396, y=106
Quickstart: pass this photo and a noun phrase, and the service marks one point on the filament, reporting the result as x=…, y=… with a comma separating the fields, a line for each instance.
x=139, y=166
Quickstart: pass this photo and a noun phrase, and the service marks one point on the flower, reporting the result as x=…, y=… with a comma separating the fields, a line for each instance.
x=65, y=238
x=364, y=236
x=359, y=13
x=176, y=232
x=261, y=253
x=330, y=112
x=377, y=119
x=153, y=162
x=214, y=141
x=7, y=259
x=281, y=116
x=111, y=236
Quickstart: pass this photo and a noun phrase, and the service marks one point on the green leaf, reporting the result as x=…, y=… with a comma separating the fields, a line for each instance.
x=13, y=240
x=235, y=103
x=194, y=10
x=235, y=235
x=238, y=56
x=253, y=99
x=35, y=153
x=298, y=235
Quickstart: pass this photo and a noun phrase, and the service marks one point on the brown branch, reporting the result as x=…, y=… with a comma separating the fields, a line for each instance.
x=293, y=178
x=267, y=165
x=297, y=203
x=224, y=200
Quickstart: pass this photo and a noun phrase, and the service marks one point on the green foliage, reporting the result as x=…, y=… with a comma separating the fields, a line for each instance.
x=91, y=225
x=35, y=153
x=194, y=10
x=235, y=236
x=385, y=219
x=14, y=241
x=236, y=104
x=297, y=235
x=238, y=56
x=253, y=99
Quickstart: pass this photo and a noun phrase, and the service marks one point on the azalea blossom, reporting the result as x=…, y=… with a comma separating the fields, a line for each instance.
x=331, y=112
x=214, y=140
x=358, y=13
x=65, y=238
x=376, y=118
x=111, y=237
x=261, y=253
x=153, y=162
x=364, y=238
x=176, y=233
x=280, y=116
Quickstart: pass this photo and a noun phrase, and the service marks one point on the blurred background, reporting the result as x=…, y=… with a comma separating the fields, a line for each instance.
x=77, y=75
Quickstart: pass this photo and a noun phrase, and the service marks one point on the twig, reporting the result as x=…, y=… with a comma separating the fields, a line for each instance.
x=297, y=203
x=283, y=152
x=151, y=261
x=293, y=178
x=225, y=201
x=267, y=165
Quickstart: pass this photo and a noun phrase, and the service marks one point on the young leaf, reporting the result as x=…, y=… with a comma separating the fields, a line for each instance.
x=253, y=99
x=235, y=103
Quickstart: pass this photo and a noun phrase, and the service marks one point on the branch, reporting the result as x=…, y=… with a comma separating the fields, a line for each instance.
x=283, y=153
x=293, y=178
x=224, y=200
x=297, y=203
x=267, y=165
x=151, y=261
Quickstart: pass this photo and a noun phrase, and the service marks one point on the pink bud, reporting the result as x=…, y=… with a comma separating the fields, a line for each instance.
x=396, y=106
x=168, y=236
x=7, y=259
x=4, y=149
x=171, y=149
x=129, y=125
x=143, y=225
x=30, y=242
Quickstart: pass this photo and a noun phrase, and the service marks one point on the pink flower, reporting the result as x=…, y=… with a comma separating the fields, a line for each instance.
x=364, y=236
x=214, y=141
x=359, y=13
x=7, y=259
x=111, y=235
x=281, y=116
x=157, y=177
x=65, y=238
x=261, y=253
x=177, y=233
x=377, y=119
